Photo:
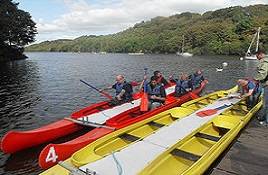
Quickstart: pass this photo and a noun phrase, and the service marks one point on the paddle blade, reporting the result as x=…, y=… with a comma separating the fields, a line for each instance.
x=193, y=95
x=144, y=102
x=206, y=113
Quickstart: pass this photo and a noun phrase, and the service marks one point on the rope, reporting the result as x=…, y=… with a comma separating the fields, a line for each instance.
x=118, y=165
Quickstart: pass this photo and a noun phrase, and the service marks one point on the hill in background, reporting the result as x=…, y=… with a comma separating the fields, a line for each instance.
x=223, y=32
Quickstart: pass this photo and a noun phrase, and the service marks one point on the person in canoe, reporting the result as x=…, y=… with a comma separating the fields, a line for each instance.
x=156, y=93
x=197, y=78
x=250, y=90
x=183, y=85
x=123, y=91
x=160, y=79
x=262, y=76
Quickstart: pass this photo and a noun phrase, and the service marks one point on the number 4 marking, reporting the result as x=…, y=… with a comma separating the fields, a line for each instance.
x=51, y=156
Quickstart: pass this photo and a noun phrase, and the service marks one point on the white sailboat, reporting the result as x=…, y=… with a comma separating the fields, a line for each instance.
x=182, y=53
x=249, y=55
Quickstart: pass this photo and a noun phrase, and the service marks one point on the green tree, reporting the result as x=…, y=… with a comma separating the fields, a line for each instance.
x=16, y=30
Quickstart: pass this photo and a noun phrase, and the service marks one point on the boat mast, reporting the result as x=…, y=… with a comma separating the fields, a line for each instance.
x=248, y=52
x=182, y=48
x=258, y=37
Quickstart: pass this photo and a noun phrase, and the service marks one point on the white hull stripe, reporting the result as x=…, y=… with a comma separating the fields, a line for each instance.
x=102, y=116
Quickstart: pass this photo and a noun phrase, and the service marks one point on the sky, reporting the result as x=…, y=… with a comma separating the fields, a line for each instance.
x=69, y=19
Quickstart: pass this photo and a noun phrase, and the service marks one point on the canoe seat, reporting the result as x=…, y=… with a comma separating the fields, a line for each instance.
x=238, y=110
x=158, y=125
x=129, y=137
x=100, y=108
x=185, y=155
x=208, y=137
x=222, y=131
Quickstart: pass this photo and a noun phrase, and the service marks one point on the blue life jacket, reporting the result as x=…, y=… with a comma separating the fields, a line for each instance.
x=197, y=79
x=118, y=88
x=181, y=86
x=155, y=91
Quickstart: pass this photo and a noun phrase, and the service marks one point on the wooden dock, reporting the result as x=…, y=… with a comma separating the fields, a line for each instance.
x=248, y=155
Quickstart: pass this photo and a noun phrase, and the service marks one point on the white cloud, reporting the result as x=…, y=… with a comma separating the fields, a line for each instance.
x=84, y=18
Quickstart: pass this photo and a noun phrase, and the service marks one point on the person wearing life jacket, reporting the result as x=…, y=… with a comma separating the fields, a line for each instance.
x=123, y=91
x=160, y=79
x=262, y=76
x=197, y=79
x=183, y=85
x=250, y=90
x=156, y=93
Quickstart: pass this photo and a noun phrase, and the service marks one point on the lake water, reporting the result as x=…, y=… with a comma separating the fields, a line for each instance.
x=46, y=87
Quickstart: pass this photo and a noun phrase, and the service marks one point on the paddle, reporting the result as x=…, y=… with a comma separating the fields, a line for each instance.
x=210, y=112
x=101, y=92
x=144, y=98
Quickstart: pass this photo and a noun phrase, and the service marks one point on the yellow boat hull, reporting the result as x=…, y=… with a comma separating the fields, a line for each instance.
x=202, y=151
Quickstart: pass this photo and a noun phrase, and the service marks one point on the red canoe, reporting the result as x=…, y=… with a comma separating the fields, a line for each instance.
x=55, y=152
x=14, y=141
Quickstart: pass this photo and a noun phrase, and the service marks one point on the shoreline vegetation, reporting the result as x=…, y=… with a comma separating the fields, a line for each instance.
x=225, y=31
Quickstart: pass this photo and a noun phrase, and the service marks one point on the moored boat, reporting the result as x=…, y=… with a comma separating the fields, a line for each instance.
x=249, y=55
x=123, y=140
x=195, y=153
x=14, y=141
x=55, y=152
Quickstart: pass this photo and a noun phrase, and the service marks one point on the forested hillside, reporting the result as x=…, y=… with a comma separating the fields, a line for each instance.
x=226, y=31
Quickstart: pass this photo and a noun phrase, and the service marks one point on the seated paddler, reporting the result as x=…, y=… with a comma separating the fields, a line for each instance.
x=156, y=93
x=160, y=78
x=197, y=78
x=123, y=91
x=250, y=90
x=183, y=85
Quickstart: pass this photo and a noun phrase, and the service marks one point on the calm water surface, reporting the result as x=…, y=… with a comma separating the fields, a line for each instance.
x=46, y=88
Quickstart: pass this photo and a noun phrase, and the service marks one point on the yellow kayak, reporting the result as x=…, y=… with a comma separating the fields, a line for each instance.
x=132, y=136
x=196, y=152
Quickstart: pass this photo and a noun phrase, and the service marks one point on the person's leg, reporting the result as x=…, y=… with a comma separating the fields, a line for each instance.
x=115, y=102
x=155, y=105
x=249, y=101
x=265, y=106
x=256, y=98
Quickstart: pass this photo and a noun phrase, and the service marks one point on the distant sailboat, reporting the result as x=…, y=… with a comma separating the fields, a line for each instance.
x=182, y=53
x=249, y=55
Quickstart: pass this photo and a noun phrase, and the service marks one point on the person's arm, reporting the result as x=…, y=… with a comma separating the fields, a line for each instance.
x=261, y=71
x=202, y=78
x=165, y=82
x=143, y=83
x=108, y=88
x=251, y=88
x=250, y=92
x=120, y=95
x=162, y=93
